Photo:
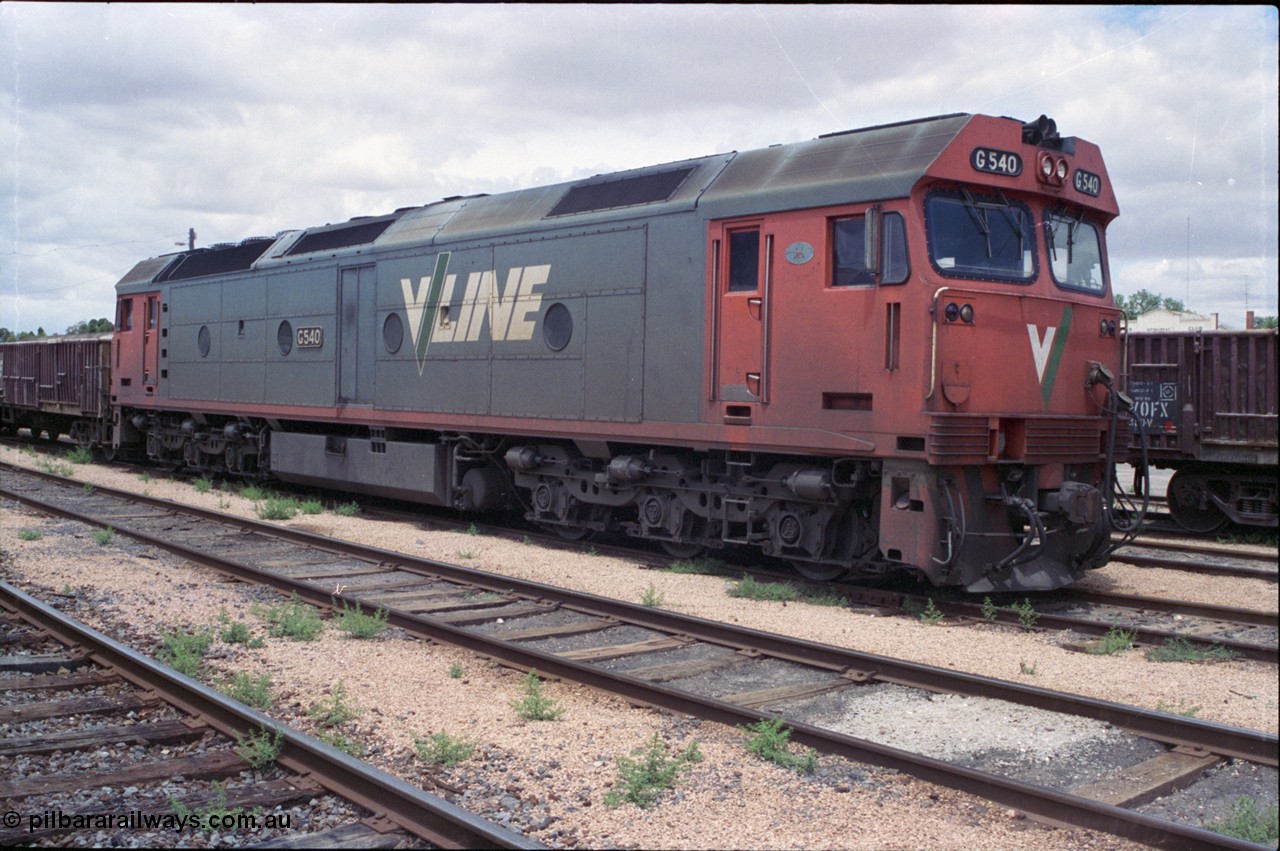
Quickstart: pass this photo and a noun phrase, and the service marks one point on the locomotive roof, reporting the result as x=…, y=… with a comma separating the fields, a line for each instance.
x=854, y=166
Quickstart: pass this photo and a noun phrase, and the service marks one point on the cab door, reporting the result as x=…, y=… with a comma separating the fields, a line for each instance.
x=151, y=343
x=741, y=315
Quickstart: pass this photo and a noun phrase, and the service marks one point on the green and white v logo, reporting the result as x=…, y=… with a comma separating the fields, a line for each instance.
x=1047, y=351
x=421, y=305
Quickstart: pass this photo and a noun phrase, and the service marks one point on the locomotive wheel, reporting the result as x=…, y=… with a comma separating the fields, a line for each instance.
x=815, y=572
x=677, y=549
x=1190, y=505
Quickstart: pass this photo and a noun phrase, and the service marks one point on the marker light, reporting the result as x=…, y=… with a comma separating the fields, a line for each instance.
x=1102, y=327
x=1062, y=169
x=1046, y=166
x=1111, y=328
x=966, y=313
x=952, y=312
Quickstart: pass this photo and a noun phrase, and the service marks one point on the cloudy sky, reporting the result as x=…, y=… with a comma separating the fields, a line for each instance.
x=123, y=126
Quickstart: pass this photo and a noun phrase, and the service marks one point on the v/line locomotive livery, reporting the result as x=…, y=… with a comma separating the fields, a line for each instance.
x=888, y=348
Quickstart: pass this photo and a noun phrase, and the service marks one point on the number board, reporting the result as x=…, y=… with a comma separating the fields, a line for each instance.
x=995, y=161
x=1156, y=407
x=1087, y=182
x=310, y=338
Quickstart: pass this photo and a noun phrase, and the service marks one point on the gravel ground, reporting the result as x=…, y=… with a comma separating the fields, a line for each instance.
x=550, y=778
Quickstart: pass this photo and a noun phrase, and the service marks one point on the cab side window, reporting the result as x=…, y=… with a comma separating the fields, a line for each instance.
x=894, y=267
x=849, y=252
x=124, y=322
x=744, y=261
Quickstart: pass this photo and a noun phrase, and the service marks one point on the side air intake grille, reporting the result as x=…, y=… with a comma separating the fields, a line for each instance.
x=622, y=192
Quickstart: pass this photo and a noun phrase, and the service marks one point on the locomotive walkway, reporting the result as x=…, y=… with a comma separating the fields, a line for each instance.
x=637, y=652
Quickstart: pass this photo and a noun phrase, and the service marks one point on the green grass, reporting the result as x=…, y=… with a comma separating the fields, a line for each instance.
x=348, y=509
x=641, y=781
x=1115, y=641
x=769, y=739
x=652, y=597
x=355, y=623
x=277, y=508
x=184, y=651
x=931, y=615
x=1186, y=710
x=989, y=610
x=253, y=493
x=251, y=691
x=535, y=706
x=700, y=567
x=455, y=671
x=1178, y=649
x=55, y=468
x=311, y=506
x=1027, y=616
x=203, y=484
x=1259, y=537
x=103, y=537
x=776, y=592
x=782, y=592
x=30, y=535
x=294, y=619
x=334, y=709
x=1251, y=822
x=260, y=747
x=442, y=749
x=80, y=455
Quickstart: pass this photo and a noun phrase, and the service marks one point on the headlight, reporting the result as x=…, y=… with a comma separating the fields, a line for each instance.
x=952, y=312
x=966, y=313
x=1062, y=169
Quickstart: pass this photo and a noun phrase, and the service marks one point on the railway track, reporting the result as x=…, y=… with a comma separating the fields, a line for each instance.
x=74, y=696
x=689, y=665
x=1149, y=621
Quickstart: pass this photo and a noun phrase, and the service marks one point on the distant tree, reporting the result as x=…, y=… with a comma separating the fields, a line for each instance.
x=1143, y=302
x=1258, y=322
x=5, y=335
x=90, y=326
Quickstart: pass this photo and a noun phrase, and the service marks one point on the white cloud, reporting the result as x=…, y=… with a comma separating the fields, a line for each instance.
x=123, y=125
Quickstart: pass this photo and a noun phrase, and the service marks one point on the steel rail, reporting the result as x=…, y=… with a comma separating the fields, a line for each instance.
x=1232, y=614
x=1046, y=804
x=389, y=797
x=1198, y=549
x=1216, y=569
x=1141, y=634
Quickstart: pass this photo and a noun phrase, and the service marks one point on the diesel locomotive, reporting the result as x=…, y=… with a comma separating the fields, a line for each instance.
x=884, y=349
